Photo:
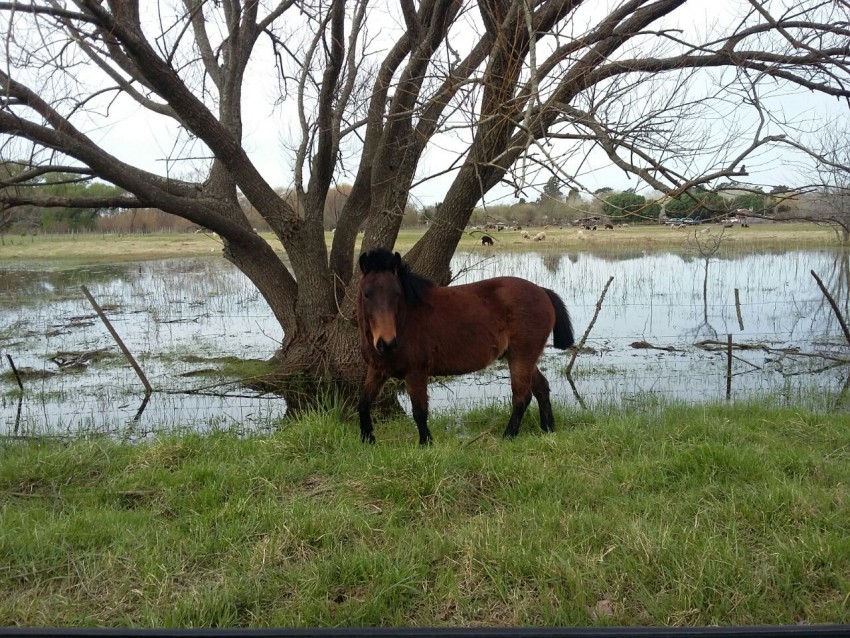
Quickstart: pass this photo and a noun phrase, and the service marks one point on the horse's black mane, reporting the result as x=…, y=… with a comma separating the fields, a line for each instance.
x=413, y=285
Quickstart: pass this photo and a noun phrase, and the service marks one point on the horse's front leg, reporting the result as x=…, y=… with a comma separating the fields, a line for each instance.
x=375, y=380
x=417, y=390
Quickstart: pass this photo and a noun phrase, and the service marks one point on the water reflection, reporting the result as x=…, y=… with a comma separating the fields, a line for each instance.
x=175, y=315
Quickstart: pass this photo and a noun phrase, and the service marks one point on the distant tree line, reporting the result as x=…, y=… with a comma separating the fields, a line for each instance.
x=555, y=208
x=58, y=188
x=552, y=207
x=58, y=219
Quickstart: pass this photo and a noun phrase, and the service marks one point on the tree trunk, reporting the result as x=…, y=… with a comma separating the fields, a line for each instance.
x=320, y=366
x=319, y=361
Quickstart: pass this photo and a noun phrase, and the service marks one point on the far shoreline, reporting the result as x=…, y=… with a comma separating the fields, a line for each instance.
x=88, y=248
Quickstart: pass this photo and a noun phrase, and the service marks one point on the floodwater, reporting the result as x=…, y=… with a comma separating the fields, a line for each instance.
x=179, y=316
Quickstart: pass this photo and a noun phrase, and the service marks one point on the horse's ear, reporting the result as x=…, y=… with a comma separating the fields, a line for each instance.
x=396, y=263
x=364, y=263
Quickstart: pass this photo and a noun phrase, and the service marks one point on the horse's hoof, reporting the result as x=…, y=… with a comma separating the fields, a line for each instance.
x=367, y=438
x=426, y=442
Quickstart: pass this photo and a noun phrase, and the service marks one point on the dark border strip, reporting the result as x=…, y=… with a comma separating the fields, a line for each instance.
x=759, y=631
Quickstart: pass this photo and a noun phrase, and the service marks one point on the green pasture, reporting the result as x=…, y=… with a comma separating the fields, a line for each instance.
x=670, y=515
x=103, y=248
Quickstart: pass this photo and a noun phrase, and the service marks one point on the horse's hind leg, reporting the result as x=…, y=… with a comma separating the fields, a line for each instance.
x=540, y=388
x=521, y=390
x=417, y=390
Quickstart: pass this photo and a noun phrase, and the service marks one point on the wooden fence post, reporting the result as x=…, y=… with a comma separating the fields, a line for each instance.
x=106, y=322
x=728, y=366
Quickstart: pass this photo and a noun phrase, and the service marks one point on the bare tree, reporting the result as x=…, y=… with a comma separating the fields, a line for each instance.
x=832, y=189
x=10, y=214
x=706, y=244
x=513, y=86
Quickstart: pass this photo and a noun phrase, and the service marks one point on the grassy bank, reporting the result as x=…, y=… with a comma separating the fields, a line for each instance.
x=702, y=515
x=111, y=248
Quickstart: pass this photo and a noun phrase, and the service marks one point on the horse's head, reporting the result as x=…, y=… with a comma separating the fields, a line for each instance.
x=388, y=289
x=381, y=298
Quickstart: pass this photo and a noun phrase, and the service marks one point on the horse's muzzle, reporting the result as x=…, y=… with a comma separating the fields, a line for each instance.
x=386, y=348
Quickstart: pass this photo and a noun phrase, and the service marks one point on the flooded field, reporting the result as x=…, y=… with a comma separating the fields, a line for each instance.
x=657, y=336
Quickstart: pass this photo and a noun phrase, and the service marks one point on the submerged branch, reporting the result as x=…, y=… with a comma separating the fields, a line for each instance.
x=834, y=305
x=580, y=345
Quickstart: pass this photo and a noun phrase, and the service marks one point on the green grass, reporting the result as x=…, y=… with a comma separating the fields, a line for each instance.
x=673, y=516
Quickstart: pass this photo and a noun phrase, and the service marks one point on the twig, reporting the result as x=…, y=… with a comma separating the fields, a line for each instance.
x=785, y=352
x=710, y=345
x=477, y=436
x=834, y=306
x=831, y=366
x=749, y=363
x=218, y=384
x=583, y=339
x=645, y=345
x=199, y=390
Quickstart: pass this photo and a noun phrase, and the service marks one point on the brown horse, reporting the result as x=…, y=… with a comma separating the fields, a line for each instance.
x=411, y=329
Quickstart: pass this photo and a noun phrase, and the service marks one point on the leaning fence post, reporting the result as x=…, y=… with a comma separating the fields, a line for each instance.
x=106, y=322
x=738, y=310
x=15, y=372
x=583, y=339
x=834, y=306
x=728, y=366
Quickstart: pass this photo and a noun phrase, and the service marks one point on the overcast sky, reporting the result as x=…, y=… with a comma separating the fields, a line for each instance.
x=137, y=137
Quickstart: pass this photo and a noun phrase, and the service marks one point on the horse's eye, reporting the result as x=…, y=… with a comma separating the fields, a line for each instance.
x=367, y=295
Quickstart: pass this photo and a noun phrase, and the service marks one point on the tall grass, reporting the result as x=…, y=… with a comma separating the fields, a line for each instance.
x=690, y=516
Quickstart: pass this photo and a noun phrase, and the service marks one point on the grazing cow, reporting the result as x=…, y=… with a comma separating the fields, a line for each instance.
x=540, y=236
x=609, y=227
x=524, y=234
x=486, y=240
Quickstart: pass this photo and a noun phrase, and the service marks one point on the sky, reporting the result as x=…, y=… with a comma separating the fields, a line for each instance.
x=135, y=136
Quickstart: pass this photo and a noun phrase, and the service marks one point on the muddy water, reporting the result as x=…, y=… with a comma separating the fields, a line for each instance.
x=179, y=316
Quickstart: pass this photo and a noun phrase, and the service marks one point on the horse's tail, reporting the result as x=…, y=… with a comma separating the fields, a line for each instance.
x=563, y=332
